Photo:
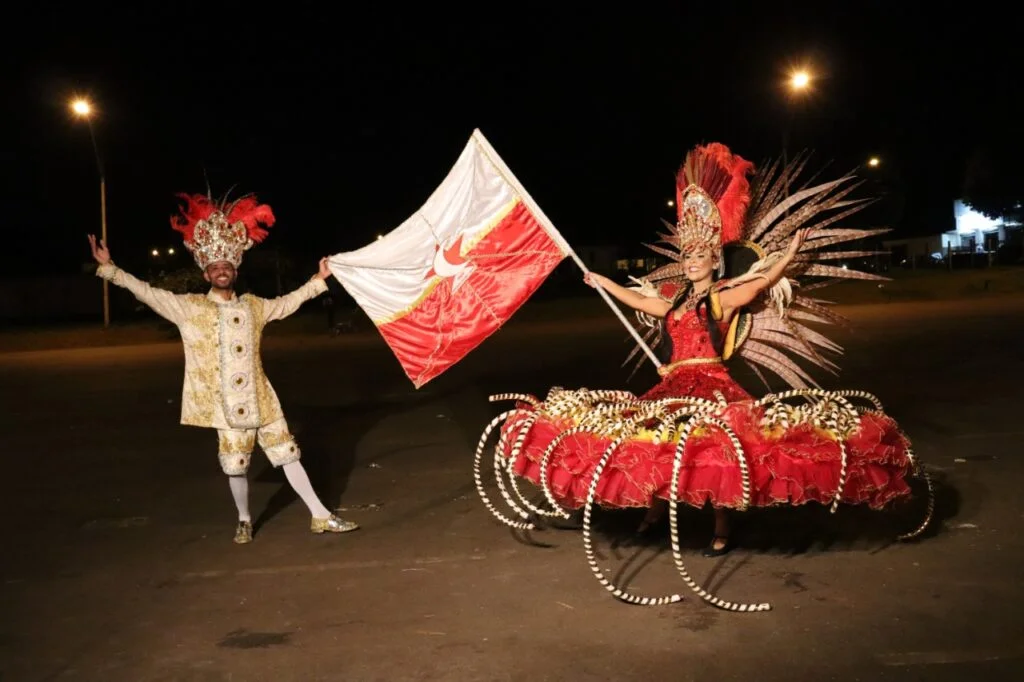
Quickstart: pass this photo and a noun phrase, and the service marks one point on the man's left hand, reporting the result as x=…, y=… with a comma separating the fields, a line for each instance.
x=325, y=271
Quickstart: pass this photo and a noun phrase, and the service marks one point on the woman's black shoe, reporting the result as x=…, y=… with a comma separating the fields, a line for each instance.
x=710, y=550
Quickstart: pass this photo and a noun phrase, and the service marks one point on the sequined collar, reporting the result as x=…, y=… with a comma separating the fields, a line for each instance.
x=215, y=297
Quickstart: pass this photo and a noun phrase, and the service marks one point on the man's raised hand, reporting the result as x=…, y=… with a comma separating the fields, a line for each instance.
x=100, y=253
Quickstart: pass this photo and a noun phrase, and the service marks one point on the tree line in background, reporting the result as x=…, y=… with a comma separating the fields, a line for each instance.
x=994, y=180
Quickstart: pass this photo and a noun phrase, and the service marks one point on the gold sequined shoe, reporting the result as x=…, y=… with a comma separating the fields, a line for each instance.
x=243, y=534
x=332, y=524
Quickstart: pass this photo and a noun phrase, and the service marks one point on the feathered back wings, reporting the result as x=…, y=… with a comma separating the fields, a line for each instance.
x=775, y=328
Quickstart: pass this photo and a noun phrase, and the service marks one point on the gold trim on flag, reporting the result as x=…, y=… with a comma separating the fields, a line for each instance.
x=501, y=215
x=409, y=308
x=466, y=248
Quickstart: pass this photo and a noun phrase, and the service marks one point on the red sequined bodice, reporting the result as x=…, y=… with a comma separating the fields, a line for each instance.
x=691, y=340
x=690, y=336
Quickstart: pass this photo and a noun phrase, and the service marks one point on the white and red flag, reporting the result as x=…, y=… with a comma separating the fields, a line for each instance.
x=455, y=271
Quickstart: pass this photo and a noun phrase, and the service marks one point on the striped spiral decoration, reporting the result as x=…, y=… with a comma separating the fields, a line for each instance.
x=588, y=545
x=477, y=478
x=544, y=479
x=673, y=519
x=522, y=397
x=919, y=470
x=620, y=415
x=500, y=470
x=842, y=478
x=510, y=468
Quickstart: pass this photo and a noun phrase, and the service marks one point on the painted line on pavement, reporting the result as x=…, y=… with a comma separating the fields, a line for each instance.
x=991, y=434
x=950, y=656
x=333, y=566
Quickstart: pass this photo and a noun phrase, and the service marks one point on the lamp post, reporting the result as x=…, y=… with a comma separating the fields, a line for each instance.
x=799, y=83
x=83, y=109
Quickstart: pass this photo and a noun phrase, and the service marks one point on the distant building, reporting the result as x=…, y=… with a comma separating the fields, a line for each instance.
x=973, y=234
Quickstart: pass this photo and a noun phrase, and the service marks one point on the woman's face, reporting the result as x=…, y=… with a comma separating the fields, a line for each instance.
x=699, y=265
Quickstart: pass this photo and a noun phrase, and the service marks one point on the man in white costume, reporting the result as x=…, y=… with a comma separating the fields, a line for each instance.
x=225, y=387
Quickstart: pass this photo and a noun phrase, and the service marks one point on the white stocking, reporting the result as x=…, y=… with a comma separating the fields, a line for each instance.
x=240, y=491
x=296, y=475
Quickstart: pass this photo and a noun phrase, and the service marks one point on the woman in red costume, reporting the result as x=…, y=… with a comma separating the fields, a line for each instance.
x=697, y=323
x=698, y=437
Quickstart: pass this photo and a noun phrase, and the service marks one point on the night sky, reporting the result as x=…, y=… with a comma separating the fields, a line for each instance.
x=345, y=117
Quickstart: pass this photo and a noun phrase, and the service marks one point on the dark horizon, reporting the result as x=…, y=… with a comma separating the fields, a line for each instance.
x=345, y=129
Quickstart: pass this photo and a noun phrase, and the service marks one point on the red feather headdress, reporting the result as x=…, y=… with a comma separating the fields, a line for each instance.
x=712, y=196
x=221, y=231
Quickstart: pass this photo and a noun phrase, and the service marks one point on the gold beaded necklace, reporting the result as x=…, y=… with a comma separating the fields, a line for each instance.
x=693, y=298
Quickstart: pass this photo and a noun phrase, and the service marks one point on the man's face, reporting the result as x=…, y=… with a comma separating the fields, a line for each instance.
x=221, y=275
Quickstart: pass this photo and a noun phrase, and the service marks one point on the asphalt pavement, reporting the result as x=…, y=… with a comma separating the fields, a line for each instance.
x=119, y=565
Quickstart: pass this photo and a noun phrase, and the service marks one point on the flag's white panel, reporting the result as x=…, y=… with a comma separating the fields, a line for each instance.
x=392, y=273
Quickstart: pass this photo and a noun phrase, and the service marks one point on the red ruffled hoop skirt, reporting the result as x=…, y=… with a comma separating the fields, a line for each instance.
x=792, y=460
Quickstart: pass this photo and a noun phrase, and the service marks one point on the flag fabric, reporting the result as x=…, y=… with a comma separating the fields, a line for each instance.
x=454, y=272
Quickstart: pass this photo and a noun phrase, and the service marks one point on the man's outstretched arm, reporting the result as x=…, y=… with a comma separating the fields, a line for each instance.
x=283, y=306
x=165, y=303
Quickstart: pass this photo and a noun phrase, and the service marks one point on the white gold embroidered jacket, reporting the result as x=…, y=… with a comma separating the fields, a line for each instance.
x=225, y=386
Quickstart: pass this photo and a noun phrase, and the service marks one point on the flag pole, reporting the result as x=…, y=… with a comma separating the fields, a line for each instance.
x=556, y=235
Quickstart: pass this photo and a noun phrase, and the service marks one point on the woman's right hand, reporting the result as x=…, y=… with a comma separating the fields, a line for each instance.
x=595, y=280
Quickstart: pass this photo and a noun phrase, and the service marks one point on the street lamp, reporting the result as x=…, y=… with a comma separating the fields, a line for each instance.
x=82, y=108
x=671, y=203
x=799, y=82
x=874, y=161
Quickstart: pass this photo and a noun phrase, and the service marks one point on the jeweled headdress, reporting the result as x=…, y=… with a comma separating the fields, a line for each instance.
x=221, y=231
x=712, y=195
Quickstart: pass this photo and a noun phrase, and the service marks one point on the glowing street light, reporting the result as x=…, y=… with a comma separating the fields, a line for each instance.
x=874, y=161
x=170, y=252
x=671, y=203
x=82, y=108
x=799, y=80
x=155, y=252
